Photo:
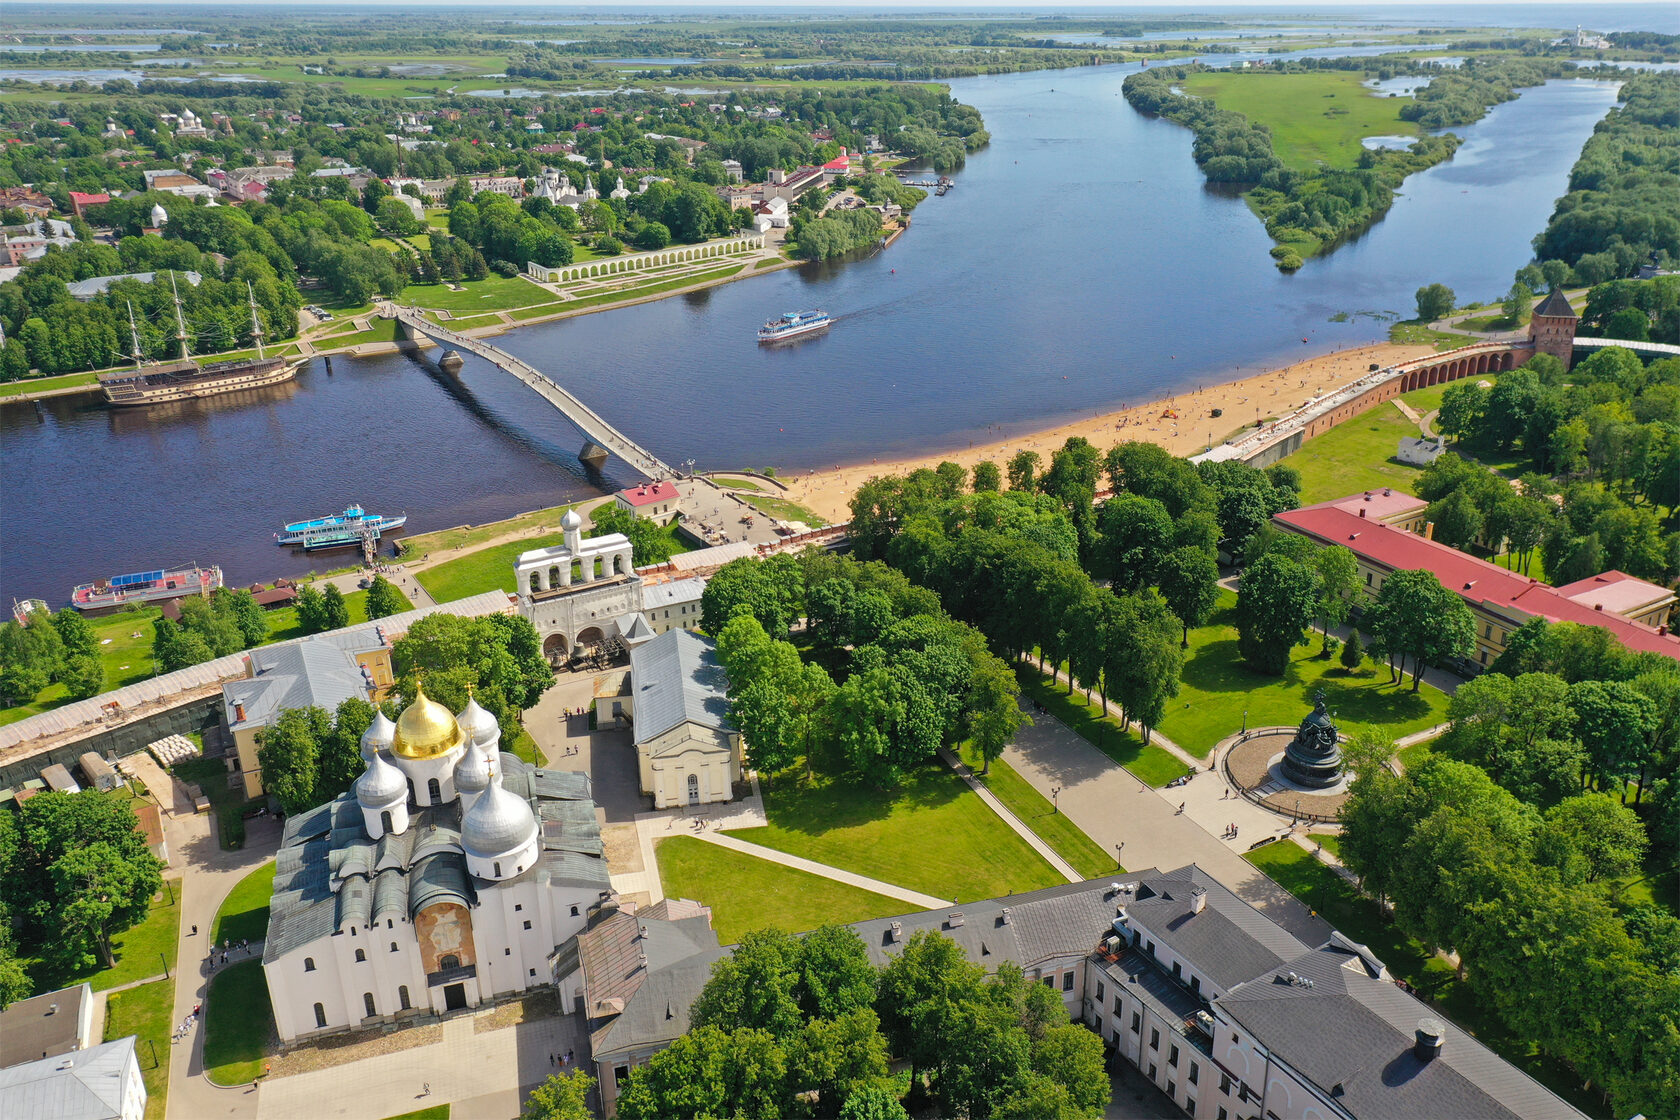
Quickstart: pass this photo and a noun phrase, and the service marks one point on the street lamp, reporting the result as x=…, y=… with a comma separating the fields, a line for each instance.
x=1118, y=848
x=1055, y=791
x=165, y=961
x=1245, y=721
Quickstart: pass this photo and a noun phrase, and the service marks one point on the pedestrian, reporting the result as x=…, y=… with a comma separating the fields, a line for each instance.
x=425, y=1088
x=551, y=1061
x=195, y=931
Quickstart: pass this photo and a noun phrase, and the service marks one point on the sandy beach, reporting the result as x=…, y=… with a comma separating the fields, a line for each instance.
x=1264, y=395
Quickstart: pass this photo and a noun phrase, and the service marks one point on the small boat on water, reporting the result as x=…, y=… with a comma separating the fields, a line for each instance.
x=23, y=608
x=793, y=325
x=352, y=527
x=144, y=587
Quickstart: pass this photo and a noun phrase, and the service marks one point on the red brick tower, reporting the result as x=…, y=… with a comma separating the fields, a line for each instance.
x=1552, y=330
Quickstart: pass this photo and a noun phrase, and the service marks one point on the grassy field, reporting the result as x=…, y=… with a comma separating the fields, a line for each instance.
x=1217, y=687
x=784, y=510
x=493, y=293
x=1316, y=119
x=127, y=658
x=380, y=330
x=737, y=484
x=46, y=384
x=436, y=1112
x=482, y=570
x=1152, y=765
x=1357, y=454
x=283, y=621
x=244, y=913
x=931, y=834
x=1037, y=813
x=146, y=950
x=146, y=1012
x=1413, y=333
x=747, y=893
x=237, y=1023
x=1339, y=902
x=466, y=536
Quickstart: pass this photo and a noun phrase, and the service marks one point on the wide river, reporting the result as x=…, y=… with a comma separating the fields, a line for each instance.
x=1081, y=262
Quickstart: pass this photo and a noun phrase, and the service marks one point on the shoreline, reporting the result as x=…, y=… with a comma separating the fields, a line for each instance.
x=828, y=491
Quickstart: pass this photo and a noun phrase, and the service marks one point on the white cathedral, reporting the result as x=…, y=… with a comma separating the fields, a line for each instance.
x=448, y=877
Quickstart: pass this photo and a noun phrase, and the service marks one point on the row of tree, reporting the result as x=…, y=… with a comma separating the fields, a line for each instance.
x=49, y=649
x=790, y=1027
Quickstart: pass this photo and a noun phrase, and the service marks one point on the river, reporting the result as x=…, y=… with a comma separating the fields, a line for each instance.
x=1080, y=263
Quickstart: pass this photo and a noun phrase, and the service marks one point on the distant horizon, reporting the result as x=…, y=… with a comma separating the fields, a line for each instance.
x=989, y=10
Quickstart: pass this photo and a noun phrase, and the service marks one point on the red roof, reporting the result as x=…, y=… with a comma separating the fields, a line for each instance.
x=77, y=198
x=838, y=163
x=1478, y=581
x=647, y=494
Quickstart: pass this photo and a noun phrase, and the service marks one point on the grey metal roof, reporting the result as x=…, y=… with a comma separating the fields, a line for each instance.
x=390, y=895
x=87, y=289
x=439, y=877
x=88, y=1084
x=293, y=676
x=676, y=678
x=1228, y=942
x=642, y=976
x=672, y=592
x=1355, y=1031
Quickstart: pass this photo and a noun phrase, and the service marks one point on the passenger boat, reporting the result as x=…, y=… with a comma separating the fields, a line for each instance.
x=793, y=325
x=352, y=527
x=23, y=608
x=144, y=587
x=184, y=379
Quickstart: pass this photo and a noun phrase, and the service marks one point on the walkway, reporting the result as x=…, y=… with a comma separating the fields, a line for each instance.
x=1062, y=866
x=597, y=430
x=811, y=867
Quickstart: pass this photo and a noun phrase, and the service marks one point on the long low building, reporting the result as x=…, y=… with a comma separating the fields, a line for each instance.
x=1222, y=1008
x=1387, y=532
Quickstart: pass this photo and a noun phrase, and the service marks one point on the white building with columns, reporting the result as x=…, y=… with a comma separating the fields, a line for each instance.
x=446, y=879
x=583, y=592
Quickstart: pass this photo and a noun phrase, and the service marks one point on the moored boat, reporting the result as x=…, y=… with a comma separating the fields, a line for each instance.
x=794, y=324
x=352, y=527
x=144, y=587
x=185, y=379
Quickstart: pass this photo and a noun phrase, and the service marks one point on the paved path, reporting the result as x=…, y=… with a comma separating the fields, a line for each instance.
x=1062, y=866
x=1115, y=809
x=863, y=882
x=705, y=821
x=475, y=1071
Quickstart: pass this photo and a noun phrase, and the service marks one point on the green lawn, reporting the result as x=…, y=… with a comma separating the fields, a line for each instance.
x=748, y=893
x=283, y=621
x=244, y=913
x=483, y=570
x=237, y=1023
x=380, y=330
x=46, y=384
x=1036, y=812
x=493, y=293
x=1410, y=332
x=126, y=658
x=146, y=1012
x=931, y=834
x=436, y=1112
x=147, y=949
x=1152, y=765
x=460, y=537
x=1357, y=454
x=1316, y=119
x=784, y=510
x=1339, y=902
x=737, y=484
x=1331, y=842
x=1217, y=687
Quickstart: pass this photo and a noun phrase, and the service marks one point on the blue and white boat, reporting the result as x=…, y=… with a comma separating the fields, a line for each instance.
x=352, y=527
x=793, y=325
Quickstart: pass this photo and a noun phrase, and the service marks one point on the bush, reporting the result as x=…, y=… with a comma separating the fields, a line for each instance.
x=504, y=268
x=1289, y=261
x=231, y=819
x=609, y=246
x=1353, y=654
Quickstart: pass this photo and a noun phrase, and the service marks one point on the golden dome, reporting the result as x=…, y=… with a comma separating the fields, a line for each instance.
x=425, y=729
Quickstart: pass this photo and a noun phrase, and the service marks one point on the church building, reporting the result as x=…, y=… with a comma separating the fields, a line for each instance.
x=445, y=879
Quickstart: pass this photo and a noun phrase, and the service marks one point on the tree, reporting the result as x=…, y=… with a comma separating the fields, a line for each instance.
x=335, y=612
x=242, y=607
x=649, y=541
x=1022, y=467
x=754, y=987
x=1275, y=603
x=1458, y=523
x=993, y=710
x=836, y=1057
x=564, y=1096
x=1517, y=303
x=772, y=590
x=79, y=872
x=339, y=758
x=1435, y=301
x=289, y=752
x=311, y=610
x=83, y=676
x=1338, y=583
x=1415, y=616
x=31, y=656
x=1614, y=722
x=1600, y=832
x=1135, y=535
x=383, y=599
x=707, y=1073
x=987, y=477
x=872, y=1102
x=1353, y=654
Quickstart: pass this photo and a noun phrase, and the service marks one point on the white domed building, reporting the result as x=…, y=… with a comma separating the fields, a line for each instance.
x=448, y=877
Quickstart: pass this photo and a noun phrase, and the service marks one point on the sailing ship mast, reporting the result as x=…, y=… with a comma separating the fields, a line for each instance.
x=134, y=335
x=256, y=324
x=180, y=323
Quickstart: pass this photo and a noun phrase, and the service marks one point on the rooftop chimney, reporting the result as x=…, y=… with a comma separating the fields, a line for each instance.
x=239, y=713
x=1429, y=530
x=1362, y=511
x=1006, y=915
x=1431, y=1033
x=1198, y=900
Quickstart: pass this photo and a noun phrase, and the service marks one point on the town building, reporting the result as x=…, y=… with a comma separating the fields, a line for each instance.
x=510, y=185
x=101, y=1083
x=47, y=1025
x=687, y=751
x=447, y=878
x=580, y=593
x=322, y=671
x=655, y=501
x=79, y=202
x=672, y=604
x=1552, y=328
x=1218, y=1005
x=1388, y=532
x=93, y=286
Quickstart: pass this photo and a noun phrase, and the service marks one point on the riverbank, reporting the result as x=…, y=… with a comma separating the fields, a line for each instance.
x=1191, y=431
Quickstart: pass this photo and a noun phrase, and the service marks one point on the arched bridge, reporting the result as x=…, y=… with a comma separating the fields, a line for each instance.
x=601, y=438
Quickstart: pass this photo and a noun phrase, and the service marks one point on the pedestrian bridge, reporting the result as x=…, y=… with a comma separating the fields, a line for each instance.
x=601, y=439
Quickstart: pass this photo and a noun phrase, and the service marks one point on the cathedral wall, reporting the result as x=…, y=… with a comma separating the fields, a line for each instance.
x=445, y=929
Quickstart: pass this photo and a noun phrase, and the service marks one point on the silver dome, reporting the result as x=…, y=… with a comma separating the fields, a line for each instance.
x=571, y=520
x=379, y=735
x=381, y=783
x=477, y=723
x=472, y=773
x=498, y=823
